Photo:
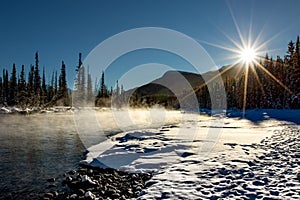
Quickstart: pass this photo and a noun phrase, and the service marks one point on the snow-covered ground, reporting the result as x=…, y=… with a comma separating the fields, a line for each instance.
x=212, y=156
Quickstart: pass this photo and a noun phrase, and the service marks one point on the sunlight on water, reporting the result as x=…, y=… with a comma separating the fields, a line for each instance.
x=37, y=147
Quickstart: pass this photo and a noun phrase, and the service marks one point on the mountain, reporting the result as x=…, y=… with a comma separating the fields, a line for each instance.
x=166, y=89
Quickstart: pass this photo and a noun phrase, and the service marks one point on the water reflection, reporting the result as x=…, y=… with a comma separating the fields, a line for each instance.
x=34, y=148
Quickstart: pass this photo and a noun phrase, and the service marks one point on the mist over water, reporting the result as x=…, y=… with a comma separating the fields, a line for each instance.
x=33, y=149
x=37, y=147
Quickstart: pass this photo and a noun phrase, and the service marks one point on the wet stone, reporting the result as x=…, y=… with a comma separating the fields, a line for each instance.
x=97, y=183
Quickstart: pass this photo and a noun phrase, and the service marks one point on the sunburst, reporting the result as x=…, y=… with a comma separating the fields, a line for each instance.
x=247, y=53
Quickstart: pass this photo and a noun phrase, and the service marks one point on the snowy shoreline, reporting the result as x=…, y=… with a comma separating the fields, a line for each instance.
x=180, y=162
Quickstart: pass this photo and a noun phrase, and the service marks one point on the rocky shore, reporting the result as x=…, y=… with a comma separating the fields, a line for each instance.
x=88, y=182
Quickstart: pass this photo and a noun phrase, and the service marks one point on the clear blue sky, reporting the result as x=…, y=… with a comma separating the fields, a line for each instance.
x=59, y=30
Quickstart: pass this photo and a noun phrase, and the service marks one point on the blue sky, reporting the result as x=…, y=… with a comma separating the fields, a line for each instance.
x=59, y=30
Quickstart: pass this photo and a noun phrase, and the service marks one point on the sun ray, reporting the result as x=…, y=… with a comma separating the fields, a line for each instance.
x=247, y=55
x=245, y=92
x=269, y=40
x=274, y=78
x=219, y=46
x=236, y=25
x=256, y=77
x=238, y=46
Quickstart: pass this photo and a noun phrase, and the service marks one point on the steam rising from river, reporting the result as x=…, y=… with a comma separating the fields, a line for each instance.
x=94, y=125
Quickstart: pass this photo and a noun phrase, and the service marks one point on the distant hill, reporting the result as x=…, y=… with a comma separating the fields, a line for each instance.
x=163, y=90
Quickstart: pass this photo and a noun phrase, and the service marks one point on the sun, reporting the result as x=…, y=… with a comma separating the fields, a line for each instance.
x=248, y=55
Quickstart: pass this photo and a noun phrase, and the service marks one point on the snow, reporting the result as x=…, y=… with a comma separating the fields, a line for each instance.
x=188, y=158
x=16, y=110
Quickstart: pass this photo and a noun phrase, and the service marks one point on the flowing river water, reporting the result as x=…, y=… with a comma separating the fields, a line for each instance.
x=33, y=149
x=37, y=147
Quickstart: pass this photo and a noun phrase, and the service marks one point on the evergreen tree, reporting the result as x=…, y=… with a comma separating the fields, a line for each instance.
x=5, y=86
x=37, y=77
x=89, y=87
x=50, y=92
x=63, y=90
x=1, y=90
x=78, y=75
x=44, y=89
x=102, y=86
x=30, y=86
x=55, y=83
x=22, y=92
x=22, y=85
x=117, y=89
x=13, y=86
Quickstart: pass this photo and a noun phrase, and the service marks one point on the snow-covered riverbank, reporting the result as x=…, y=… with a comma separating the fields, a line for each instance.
x=210, y=156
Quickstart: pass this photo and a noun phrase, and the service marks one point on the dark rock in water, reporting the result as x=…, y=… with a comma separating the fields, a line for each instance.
x=49, y=195
x=72, y=172
x=51, y=180
x=51, y=186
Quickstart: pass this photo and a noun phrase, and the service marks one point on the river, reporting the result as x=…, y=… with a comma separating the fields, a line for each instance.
x=34, y=148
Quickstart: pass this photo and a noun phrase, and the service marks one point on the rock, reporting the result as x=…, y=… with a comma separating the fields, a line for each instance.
x=51, y=186
x=69, y=179
x=49, y=195
x=87, y=179
x=89, y=195
x=55, y=193
x=51, y=180
x=73, y=196
x=81, y=192
x=115, y=195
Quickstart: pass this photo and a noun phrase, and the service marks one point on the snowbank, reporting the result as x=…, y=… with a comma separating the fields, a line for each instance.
x=177, y=153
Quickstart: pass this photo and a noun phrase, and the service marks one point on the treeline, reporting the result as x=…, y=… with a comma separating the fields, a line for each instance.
x=99, y=95
x=271, y=83
x=16, y=90
x=33, y=91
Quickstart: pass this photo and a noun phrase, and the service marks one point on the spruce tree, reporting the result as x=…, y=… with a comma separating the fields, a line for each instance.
x=1, y=90
x=22, y=91
x=44, y=89
x=13, y=86
x=102, y=85
x=37, y=77
x=63, y=91
x=89, y=87
x=5, y=86
x=55, y=83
